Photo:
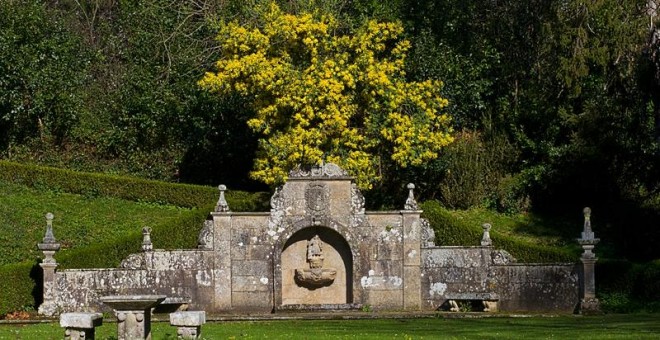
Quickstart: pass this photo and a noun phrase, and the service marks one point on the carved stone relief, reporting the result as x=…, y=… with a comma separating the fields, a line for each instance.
x=317, y=198
x=316, y=275
x=205, y=238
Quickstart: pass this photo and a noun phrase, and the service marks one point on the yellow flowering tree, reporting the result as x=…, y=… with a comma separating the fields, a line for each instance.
x=323, y=96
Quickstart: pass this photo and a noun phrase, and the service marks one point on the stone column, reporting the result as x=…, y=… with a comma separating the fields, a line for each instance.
x=412, y=289
x=588, y=301
x=49, y=247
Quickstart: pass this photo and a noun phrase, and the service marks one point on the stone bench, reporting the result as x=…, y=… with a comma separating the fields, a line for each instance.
x=188, y=323
x=173, y=304
x=488, y=300
x=79, y=326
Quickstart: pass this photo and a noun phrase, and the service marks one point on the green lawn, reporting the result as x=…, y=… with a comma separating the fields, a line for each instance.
x=633, y=326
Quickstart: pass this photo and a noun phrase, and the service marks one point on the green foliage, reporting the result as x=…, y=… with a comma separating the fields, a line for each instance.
x=476, y=169
x=453, y=228
x=42, y=72
x=625, y=287
x=19, y=287
x=133, y=189
x=22, y=223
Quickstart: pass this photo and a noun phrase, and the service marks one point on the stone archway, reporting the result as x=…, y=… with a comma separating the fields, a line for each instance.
x=311, y=286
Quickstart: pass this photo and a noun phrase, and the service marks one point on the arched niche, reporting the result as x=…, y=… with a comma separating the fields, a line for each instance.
x=337, y=255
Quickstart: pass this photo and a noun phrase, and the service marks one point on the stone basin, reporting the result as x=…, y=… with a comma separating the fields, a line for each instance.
x=132, y=302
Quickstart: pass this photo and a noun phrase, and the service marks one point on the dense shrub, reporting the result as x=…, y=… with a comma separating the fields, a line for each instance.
x=134, y=189
x=477, y=171
x=624, y=286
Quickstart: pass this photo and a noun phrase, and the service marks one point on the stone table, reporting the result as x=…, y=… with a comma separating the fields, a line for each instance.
x=133, y=314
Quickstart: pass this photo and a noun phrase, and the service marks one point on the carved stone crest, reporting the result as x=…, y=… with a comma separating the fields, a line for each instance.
x=317, y=199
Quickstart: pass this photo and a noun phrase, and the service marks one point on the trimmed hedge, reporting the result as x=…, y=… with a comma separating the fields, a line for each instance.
x=128, y=188
x=180, y=233
x=450, y=231
x=19, y=290
x=23, y=290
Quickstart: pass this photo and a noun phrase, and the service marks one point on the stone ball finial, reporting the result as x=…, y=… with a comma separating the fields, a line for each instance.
x=146, y=239
x=49, y=237
x=222, y=205
x=411, y=204
x=485, y=239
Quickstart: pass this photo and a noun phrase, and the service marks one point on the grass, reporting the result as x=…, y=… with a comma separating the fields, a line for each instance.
x=525, y=227
x=635, y=326
x=79, y=221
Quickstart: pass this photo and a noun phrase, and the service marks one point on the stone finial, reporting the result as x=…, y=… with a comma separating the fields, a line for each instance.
x=485, y=239
x=49, y=237
x=411, y=204
x=49, y=245
x=222, y=205
x=146, y=239
x=588, y=236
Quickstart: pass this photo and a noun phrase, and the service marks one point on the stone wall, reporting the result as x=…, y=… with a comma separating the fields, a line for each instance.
x=457, y=271
x=316, y=248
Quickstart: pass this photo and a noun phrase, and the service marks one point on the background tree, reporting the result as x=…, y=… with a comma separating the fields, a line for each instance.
x=320, y=95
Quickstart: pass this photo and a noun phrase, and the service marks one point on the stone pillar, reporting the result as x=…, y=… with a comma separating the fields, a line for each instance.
x=80, y=326
x=588, y=301
x=49, y=247
x=412, y=271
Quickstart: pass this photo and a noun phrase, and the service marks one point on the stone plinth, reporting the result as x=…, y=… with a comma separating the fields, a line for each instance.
x=79, y=326
x=133, y=314
x=188, y=323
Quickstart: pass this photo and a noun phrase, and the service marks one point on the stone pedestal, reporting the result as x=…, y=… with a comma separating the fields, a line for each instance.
x=49, y=247
x=588, y=301
x=133, y=314
x=188, y=323
x=80, y=326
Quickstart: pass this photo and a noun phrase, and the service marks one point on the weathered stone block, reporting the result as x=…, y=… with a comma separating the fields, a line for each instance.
x=251, y=284
x=188, y=323
x=79, y=326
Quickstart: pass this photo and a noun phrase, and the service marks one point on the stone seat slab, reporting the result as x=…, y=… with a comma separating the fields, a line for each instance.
x=81, y=320
x=188, y=318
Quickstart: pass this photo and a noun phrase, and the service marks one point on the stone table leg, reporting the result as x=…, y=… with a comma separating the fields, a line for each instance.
x=133, y=324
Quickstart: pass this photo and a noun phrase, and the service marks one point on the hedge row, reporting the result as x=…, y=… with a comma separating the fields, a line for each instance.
x=23, y=290
x=450, y=231
x=179, y=233
x=128, y=188
x=20, y=290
